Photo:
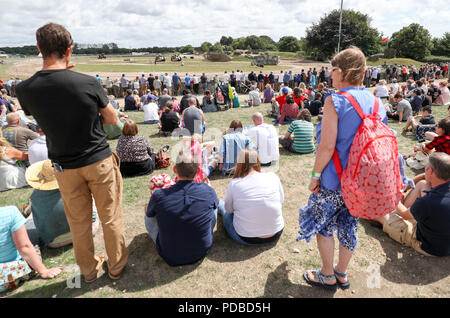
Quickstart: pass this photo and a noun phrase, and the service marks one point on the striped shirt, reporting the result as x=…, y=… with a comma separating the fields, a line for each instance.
x=303, y=136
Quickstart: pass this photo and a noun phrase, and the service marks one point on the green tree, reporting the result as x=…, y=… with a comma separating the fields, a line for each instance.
x=206, y=46
x=187, y=49
x=289, y=44
x=413, y=41
x=441, y=46
x=226, y=40
x=254, y=42
x=268, y=43
x=217, y=48
x=322, y=38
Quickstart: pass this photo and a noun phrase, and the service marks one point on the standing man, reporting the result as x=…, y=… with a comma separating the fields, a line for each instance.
x=143, y=84
x=84, y=164
x=176, y=80
x=204, y=80
x=124, y=84
x=168, y=83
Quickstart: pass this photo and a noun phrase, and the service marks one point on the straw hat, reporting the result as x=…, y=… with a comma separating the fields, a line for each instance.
x=41, y=176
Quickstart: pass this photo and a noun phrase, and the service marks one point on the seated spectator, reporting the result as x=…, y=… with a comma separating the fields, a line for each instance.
x=299, y=97
x=20, y=260
x=381, y=90
x=37, y=150
x=233, y=142
x=191, y=144
x=282, y=98
x=275, y=111
x=265, y=138
x=193, y=118
x=151, y=115
x=254, y=99
x=404, y=110
x=422, y=219
x=114, y=131
x=315, y=107
x=300, y=135
x=430, y=135
x=47, y=208
x=136, y=155
x=442, y=142
x=176, y=105
x=252, y=211
x=289, y=111
x=426, y=100
x=433, y=91
x=426, y=119
x=164, y=98
x=12, y=174
x=208, y=103
x=16, y=135
x=169, y=120
x=181, y=219
x=184, y=103
x=130, y=101
x=268, y=94
x=444, y=98
x=416, y=100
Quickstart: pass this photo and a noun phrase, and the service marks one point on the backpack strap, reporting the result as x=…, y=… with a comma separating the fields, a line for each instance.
x=352, y=100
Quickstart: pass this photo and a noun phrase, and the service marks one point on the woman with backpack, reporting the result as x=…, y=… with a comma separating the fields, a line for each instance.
x=326, y=212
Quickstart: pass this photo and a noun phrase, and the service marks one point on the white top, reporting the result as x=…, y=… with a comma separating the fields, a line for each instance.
x=168, y=81
x=265, y=138
x=395, y=88
x=256, y=202
x=375, y=73
x=37, y=150
x=280, y=77
x=151, y=112
x=381, y=91
x=195, y=80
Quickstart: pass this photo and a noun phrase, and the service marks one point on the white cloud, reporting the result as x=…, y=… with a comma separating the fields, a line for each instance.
x=148, y=23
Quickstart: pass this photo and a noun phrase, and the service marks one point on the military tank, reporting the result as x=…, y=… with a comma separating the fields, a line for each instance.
x=265, y=59
x=160, y=58
x=176, y=58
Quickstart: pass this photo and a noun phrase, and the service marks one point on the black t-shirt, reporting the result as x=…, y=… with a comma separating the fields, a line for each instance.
x=426, y=101
x=314, y=107
x=432, y=213
x=66, y=106
x=169, y=121
x=184, y=102
x=427, y=120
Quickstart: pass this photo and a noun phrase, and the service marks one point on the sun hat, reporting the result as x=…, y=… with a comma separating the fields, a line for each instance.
x=285, y=90
x=41, y=176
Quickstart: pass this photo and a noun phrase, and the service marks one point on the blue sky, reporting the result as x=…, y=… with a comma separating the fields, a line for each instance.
x=145, y=23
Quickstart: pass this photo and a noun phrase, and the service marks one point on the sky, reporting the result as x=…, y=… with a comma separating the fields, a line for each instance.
x=148, y=23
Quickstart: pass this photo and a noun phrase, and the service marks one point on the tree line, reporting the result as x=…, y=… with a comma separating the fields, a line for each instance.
x=413, y=41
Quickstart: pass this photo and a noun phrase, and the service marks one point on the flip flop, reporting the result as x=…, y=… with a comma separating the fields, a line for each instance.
x=320, y=277
x=345, y=285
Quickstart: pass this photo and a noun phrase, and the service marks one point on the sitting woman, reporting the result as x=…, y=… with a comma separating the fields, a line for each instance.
x=444, y=98
x=12, y=173
x=176, y=104
x=235, y=101
x=289, y=111
x=300, y=135
x=135, y=153
x=208, y=104
x=381, y=90
x=19, y=259
x=233, y=142
x=130, y=101
x=299, y=97
x=252, y=211
x=169, y=120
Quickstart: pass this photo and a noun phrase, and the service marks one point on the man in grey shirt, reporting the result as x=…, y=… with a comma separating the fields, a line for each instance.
x=193, y=118
x=254, y=99
x=164, y=98
x=404, y=110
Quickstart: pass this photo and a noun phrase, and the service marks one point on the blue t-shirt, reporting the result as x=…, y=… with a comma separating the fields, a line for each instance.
x=232, y=144
x=348, y=124
x=185, y=216
x=432, y=213
x=188, y=81
x=11, y=220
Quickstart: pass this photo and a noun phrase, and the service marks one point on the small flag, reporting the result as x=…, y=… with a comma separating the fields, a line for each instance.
x=385, y=40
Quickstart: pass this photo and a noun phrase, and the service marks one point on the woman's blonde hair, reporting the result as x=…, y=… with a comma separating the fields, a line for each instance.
x=352, y=63
x=247, y=159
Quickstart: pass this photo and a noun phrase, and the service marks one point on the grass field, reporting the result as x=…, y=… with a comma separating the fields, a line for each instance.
x=231, y=270
x=400, y=61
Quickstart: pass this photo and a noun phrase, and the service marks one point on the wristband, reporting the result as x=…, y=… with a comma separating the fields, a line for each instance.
x=315, y=175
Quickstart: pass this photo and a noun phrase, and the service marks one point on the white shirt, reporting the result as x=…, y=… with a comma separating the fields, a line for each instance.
x=256, y=202
x=151, y=111
x=381, y=91
x=196, y=80
x=265, y=138
x=280, y=77
x=37, y=150
x=168, y=81
x=374, y=73
x=395, y=88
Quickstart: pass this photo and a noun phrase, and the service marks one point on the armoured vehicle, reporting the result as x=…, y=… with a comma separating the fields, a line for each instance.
x=265, y=59
x=176, y=58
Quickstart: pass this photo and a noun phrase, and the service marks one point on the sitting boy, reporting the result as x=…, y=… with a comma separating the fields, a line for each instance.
x=422, y=219
x=180, y=219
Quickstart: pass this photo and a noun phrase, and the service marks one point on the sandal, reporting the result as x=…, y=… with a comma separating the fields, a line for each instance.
x=345, y=285
x=320, y=277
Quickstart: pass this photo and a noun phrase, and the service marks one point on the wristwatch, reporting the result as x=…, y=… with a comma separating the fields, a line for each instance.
x=315, y=175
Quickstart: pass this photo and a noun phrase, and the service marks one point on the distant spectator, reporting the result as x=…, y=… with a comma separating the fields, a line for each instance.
x=289, y=111
x=444, y=98
x=254, y=99
x=130, y=101
x=404, y=110
x=265, y=138
x=151, y=115
x=268, y=93
x=315, y=106
x=169, y=120
x=300, y=136
x=12, y=176
x=164, y=98
x=208, y=104
x=193, y=118
x=426, y=119
x=381, y=90
x=16, y=135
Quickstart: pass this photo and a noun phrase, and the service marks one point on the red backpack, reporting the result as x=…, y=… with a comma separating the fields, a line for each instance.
x=371, y=183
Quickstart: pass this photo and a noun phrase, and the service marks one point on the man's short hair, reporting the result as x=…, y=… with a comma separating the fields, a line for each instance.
x=427, y=109
x=258, y=117
x=192, y=101
x=398, y=95
x=186, y=165
x=12, y=118
x=440, y=163
x=53, y=39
